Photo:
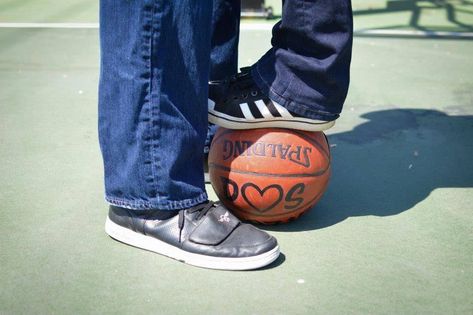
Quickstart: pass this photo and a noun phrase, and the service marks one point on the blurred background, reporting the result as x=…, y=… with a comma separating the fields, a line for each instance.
x=427, y=15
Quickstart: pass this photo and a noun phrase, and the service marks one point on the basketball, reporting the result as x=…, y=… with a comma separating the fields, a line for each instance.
x=269, y=175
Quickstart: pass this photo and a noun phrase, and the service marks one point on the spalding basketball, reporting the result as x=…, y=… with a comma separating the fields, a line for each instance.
x=269, y=175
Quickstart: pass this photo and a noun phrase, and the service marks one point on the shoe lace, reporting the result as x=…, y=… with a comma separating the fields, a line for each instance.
x=202, y=210
x=243, y=81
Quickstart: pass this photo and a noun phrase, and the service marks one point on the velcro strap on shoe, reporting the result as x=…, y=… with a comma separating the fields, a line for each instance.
x=215, y=227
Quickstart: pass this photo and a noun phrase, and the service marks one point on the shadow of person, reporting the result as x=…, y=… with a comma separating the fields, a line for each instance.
x=390, y=163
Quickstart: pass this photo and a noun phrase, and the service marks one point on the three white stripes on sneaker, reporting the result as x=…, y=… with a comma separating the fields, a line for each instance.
x=268, y=115
x=263, y=109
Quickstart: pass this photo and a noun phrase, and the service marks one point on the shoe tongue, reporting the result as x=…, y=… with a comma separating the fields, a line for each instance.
x=215, y=227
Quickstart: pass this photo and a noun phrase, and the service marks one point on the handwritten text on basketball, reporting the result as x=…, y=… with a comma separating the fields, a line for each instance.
x=292, y=199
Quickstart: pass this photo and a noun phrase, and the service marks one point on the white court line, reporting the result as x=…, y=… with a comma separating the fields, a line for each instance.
x=256, y=26
x=244, y=26
x=49, y=25
x=260, y=27
x=413, y=33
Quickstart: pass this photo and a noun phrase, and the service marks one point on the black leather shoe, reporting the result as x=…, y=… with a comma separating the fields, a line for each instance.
x=238, y=103
x=207, y=235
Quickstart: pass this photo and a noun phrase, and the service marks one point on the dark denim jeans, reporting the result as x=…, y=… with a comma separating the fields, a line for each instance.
x=156, y=59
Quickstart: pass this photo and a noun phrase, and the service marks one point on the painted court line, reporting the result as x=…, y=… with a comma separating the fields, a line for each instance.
x=263, y=27
x=49, y=25
x=244, y=26
x=414, y=33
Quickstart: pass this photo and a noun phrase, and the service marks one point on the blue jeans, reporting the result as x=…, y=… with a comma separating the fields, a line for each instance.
x=156, y=59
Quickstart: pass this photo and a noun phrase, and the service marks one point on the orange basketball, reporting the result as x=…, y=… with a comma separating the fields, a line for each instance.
x=269, y=175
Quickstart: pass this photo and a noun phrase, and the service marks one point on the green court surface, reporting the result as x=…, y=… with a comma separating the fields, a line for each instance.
x=392, y=235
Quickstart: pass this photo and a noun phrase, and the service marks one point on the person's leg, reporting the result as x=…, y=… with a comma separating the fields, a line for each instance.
x=224, y=47
x=307, y=69
x=225, y=36
x=301, y=82
x=153, y=87
x=152, y=126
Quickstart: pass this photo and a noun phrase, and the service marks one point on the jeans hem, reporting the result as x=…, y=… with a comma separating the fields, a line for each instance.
x=298, y=108
x=157, y=205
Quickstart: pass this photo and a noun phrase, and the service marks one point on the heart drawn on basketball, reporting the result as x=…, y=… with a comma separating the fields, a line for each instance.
x=270, y=196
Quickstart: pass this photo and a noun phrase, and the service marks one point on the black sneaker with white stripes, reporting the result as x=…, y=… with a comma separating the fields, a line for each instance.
x=206, y=235
x=238, y=103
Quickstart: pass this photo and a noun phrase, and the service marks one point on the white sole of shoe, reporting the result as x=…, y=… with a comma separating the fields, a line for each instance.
x=152, y=244
x=306, y=124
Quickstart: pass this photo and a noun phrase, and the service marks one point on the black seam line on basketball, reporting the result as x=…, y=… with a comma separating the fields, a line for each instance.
x=271, y=120
x=224, y=132
x=328, y=146
x=228, y=169
x=287, y=212
x=315, y=143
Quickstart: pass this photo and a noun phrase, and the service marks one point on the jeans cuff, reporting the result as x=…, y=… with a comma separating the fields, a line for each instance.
x=298, y=108
x=157, y=205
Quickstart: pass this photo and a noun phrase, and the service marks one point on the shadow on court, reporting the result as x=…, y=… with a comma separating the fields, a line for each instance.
x=457, y=13
x=418, y=7
x=390, y=163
